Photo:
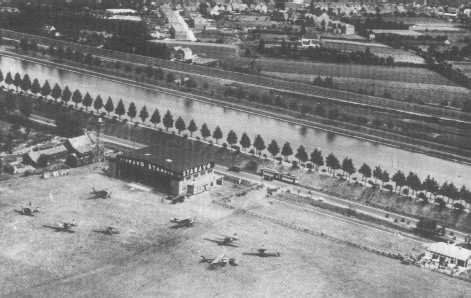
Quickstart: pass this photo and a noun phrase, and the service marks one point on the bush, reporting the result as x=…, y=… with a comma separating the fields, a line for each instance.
x=388, y=187
x=295, y=164
x=405, y=191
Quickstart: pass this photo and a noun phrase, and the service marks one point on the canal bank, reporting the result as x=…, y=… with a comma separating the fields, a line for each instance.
x=253, y=121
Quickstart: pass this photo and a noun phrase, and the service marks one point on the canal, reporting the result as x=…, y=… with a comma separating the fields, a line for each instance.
x=360, y=151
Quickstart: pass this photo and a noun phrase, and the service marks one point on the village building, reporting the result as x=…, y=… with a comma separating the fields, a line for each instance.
x=40, y=158
x=178, y=167
x=445, y=255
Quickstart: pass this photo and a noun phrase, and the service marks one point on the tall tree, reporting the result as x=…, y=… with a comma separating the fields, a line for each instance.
x=109, y=106
x=385, y=177
x=143, y=114
x=17, y=81
x=192, y=127
x=413, y=182
x=155, y=118
x=56, y=92
x=245, y=141
x=1, y=76
x=231, y=138
x=273, y=148
x=430, y=185
x=66, y=95
x=259, y=144
x=286, y=151
x=45, y=89
x=377, y=172
x=168, y=120
x=8, y=79
x=132, y=111
x=348, y=167
x=205, y=132
x=77, y=97
x=35, y=87
x=365, y=171
x=399, y=179
x=87, y=101
x=26, y=83
x=316, y=158
x=98, y=103
x=217, y=134
x=301, y=154
x=180, y=125
x=120, y=109
x=332, y=162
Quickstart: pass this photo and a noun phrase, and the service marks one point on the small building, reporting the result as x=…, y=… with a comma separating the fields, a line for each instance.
x=81, y=149
x=183, y=54
x=447, y=255
x=179, y=167
x=33, y=157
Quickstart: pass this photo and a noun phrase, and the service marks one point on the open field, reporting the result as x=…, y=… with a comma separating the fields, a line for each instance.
x=149, y=259
x=426, y=92
x=376, y=72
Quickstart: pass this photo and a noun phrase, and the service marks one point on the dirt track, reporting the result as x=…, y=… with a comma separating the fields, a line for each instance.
x=148, y=259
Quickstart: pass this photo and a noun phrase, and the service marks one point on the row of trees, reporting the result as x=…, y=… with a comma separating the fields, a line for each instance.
x=314, y=159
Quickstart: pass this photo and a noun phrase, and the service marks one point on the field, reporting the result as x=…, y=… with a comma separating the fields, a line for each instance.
x=149, y=259
x=426, y=92
x=388, y=73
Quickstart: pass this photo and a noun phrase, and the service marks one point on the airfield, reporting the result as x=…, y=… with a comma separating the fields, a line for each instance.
x=149, y=258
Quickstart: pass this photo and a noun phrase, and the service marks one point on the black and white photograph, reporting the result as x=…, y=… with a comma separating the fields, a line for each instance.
x=235, y=148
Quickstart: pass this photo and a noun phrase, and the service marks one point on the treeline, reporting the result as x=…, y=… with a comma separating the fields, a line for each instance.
x=363, y=26
x=127, y=36
x=76, y=55
x=291, y=50
x=428, y=189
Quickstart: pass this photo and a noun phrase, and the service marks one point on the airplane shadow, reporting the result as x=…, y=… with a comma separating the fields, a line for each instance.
x=58, y=229
x=179, y=227
x=221, y=244
x=21, y=213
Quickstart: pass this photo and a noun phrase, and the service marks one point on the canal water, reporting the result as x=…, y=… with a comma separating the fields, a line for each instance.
x=360, y=151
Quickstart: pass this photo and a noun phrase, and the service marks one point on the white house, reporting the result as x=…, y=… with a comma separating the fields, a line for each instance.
x=447, y=255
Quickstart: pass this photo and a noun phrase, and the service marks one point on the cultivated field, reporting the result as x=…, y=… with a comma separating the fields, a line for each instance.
x=428, y=93
x=149, y=259
x=376, y=72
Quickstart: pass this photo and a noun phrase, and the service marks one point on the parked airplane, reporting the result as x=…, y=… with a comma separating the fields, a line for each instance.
x=108, y=231
x=225, y=240
x=63, y=227
x=28, y=211
x=181, y=223
x=100, y=194
x=219, y=261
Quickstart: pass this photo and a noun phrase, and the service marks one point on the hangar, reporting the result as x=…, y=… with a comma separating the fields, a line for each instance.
x=179, y=167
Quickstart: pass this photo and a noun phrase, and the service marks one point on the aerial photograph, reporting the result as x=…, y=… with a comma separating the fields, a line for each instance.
x=235, y=148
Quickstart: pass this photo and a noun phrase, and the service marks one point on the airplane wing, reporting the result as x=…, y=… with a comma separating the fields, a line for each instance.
x=217, y=259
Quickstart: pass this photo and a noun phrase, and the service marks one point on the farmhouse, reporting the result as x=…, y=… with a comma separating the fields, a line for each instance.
x=179, y=167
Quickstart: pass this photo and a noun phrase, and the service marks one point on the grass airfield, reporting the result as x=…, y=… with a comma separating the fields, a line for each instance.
x=150, y=259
